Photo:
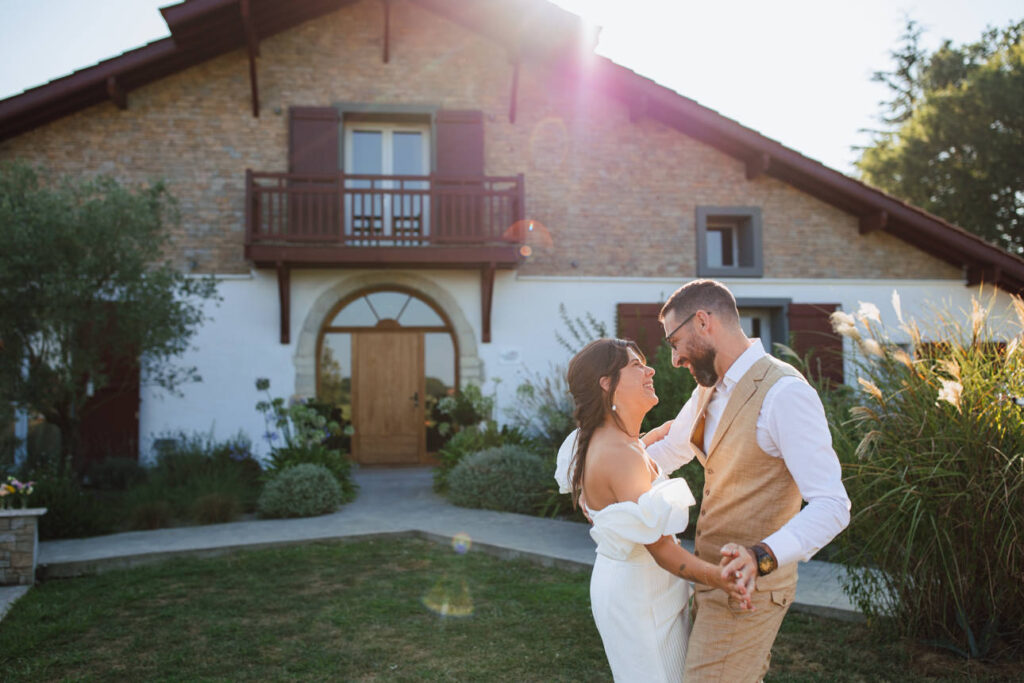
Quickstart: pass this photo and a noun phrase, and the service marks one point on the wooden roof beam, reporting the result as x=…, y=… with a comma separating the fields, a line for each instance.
x=758, y=165
x=873, y=222
x=253, y=45
x=116, y=93
x=387, y=28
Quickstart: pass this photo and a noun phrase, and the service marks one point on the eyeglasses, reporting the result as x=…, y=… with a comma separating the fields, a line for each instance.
x=678, y=327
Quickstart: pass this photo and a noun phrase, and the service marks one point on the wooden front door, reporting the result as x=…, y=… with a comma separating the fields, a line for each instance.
x=388, y=386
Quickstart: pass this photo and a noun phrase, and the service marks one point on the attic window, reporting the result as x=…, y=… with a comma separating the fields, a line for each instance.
x=729, y=241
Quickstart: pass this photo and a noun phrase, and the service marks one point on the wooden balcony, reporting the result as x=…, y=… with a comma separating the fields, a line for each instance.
x=339, y=220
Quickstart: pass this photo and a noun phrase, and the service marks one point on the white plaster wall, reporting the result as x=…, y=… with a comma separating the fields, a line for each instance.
x=242, y=342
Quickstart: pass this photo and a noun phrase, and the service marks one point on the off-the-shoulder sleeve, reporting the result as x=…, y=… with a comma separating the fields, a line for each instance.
x=662, y=511
x=563, y=471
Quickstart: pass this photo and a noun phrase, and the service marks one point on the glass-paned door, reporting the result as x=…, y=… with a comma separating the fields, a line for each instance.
x=757, y=322
x=393, y=208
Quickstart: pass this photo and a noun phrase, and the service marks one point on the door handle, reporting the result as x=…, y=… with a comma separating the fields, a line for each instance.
x=415, y=398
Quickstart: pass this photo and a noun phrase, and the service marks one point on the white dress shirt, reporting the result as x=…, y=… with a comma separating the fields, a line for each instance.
x=791, y=426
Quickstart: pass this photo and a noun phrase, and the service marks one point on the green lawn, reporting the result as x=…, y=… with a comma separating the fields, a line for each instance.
x=359, y=611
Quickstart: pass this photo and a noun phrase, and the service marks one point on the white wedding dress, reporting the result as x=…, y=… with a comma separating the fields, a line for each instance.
x=641, y=610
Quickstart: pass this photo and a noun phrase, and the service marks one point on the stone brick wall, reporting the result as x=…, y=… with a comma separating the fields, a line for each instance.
x=619, y=198
x=18, y=545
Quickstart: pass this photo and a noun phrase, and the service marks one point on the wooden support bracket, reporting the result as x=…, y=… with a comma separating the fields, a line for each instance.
x=873, y=221
x=486, y=297
x=252, y=43
x=982, y=274
x=116, y=93
x=285, y=299
x=638, y=108
x=758, y=165
x=387, y=28
x=515, y=89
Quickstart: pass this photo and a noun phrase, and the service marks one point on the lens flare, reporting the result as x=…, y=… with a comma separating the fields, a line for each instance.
x=528, y=232
x=461, y=543
x=449, y=598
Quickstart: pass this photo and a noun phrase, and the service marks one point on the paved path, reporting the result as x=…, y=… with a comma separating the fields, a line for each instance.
x=392, y=501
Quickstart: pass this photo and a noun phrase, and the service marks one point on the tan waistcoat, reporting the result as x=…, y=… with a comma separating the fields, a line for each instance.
x=748, y=494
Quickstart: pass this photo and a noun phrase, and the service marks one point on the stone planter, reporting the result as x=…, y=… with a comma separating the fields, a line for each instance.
x=19, y=545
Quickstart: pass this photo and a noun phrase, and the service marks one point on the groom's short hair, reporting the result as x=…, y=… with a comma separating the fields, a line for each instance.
x=696, y=295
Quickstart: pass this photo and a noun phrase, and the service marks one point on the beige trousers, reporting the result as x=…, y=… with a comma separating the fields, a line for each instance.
x=730, y=644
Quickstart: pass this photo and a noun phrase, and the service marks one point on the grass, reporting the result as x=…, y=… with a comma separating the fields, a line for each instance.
x=355, y=611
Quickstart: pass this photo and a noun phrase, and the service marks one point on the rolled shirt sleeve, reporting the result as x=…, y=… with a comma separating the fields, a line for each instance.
x=792, y=425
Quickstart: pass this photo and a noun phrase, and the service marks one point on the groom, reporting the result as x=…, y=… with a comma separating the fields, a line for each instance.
x=759, y=430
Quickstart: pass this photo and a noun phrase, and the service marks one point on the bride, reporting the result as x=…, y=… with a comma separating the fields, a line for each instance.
x=639, y=588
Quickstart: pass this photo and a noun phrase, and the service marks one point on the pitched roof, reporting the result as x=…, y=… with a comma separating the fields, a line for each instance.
x=203, y=29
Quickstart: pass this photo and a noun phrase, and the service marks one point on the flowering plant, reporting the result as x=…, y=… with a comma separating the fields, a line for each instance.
x=298, y=433
x=14, y=489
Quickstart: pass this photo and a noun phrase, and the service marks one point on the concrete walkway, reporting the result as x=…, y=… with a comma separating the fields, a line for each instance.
x=393, y=501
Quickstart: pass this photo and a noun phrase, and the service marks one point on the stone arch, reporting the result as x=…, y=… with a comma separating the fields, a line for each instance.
x=470, y=365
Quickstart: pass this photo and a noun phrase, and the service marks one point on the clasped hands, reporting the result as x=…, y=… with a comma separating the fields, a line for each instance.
x=738, y=574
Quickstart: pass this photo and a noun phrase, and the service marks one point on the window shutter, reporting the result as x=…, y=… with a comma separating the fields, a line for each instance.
x=313, y=148
x=810, y=329
x=459, y=207
x=460, y=142
x=639, y=322
x=313, y=140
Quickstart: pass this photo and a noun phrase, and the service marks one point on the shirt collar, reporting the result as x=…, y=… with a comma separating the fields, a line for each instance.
x=740, y=366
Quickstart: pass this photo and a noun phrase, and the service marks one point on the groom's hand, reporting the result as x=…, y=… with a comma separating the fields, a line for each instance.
x=656, y=434
x=739, y=564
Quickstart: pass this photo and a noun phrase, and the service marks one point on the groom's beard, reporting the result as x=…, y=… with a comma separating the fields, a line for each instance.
x=703, y=364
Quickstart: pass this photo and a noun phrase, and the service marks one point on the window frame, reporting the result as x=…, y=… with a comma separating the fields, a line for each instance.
x=747, y=219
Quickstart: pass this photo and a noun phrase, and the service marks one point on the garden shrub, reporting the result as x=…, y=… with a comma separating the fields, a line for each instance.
x=70, y=511
x=473, y=440
x=509, y=478
x=333, y=461
x=216, y=508
x=151, y=514
x=936, y=539
x=300, y=432
x=302, y=490
x=115, y=474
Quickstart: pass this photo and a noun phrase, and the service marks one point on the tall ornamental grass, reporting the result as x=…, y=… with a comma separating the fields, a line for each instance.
x=937, y=479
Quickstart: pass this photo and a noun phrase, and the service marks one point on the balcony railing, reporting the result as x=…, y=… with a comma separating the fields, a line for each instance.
x=381, y=211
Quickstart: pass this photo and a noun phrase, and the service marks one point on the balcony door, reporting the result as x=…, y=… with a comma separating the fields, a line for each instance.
x=390, y=204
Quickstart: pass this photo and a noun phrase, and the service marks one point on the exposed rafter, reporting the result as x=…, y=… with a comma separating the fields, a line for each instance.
x=758, y=165
x=638, y=108
x=253, y=45
x=116, y=93
x=873, y=222
x=387, y=29
x=515, y=88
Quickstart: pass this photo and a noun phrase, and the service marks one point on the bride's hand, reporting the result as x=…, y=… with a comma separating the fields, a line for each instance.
x=739, y=569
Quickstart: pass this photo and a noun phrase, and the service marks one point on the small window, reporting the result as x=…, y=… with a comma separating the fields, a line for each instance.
x=729, y=241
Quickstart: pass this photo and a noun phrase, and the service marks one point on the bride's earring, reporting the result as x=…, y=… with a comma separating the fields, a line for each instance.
x=615, y=408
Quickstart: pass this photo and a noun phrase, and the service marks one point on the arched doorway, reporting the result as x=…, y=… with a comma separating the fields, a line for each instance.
x=384, y=356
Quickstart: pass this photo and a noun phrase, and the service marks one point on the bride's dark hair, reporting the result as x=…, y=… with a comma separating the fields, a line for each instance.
x=599, y=358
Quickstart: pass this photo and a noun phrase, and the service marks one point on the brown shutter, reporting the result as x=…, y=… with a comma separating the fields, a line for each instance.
x=460, y=142
x=313, y=149
x=313, y=140
x=459, y=207
x=810, y=330
x=639, y=322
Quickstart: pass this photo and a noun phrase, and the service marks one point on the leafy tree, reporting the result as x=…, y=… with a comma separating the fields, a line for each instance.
x=955, y=138
x=85, y=278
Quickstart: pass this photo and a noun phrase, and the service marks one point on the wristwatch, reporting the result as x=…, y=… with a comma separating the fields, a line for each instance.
x=766, y=562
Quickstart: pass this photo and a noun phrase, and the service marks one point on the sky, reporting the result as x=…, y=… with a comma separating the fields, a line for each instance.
x=797, y=71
